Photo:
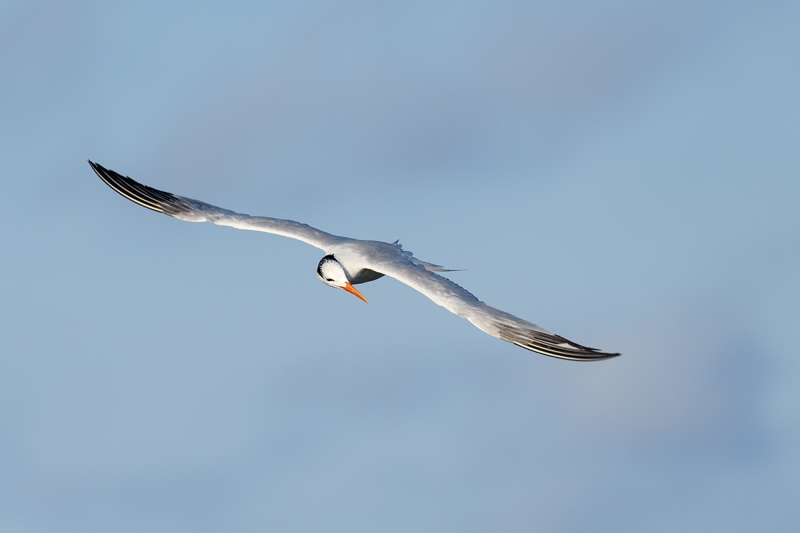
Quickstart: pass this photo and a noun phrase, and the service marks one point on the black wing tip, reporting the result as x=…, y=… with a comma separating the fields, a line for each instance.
x=599, y=356
x=593, y=354
x=550, y=344
x=98, y=168
x=585, y=355
x=134, y=191
x=102, y=172
x=554, y=347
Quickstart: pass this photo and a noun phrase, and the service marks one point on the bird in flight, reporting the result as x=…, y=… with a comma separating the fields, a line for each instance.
x=350, y=262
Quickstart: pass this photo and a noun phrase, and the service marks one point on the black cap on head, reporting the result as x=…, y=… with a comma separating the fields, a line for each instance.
x=324, y=260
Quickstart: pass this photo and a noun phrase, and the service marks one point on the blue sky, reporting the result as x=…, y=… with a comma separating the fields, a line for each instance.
x=622, y=173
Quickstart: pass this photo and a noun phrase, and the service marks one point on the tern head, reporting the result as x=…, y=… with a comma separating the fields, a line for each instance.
x=332, y=273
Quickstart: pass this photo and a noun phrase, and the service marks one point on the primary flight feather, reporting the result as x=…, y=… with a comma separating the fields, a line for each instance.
x=349, y=262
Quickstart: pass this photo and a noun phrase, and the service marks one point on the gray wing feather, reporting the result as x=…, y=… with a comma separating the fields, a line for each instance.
x=196, y=211
x=497, y=323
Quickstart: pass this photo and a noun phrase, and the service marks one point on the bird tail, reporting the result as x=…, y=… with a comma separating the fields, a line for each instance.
x=430, y=267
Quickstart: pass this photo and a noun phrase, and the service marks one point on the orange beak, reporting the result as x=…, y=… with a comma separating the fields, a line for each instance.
x=352, y=290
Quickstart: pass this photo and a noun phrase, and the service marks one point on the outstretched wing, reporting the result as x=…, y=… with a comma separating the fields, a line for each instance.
x=197, y=211
x=497, y=323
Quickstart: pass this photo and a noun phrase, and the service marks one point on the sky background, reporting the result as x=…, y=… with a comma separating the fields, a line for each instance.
x=625, y=174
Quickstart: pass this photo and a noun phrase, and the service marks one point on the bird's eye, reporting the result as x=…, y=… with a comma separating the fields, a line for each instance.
x=328, y=279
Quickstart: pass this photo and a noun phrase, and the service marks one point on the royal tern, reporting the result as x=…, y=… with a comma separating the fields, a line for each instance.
x=348, y=262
